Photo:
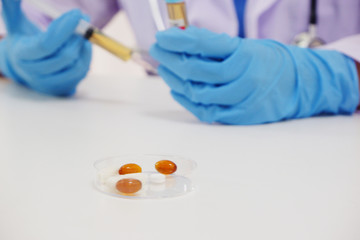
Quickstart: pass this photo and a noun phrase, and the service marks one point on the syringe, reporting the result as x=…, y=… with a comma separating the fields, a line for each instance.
x=94, y=35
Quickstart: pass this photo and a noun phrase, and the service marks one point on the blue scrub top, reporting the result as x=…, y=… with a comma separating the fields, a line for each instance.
x=240, y=11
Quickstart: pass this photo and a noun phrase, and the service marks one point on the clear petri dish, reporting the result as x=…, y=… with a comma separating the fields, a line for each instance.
x=154, y=184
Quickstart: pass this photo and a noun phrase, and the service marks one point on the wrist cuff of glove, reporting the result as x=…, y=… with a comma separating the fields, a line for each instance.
x=358, y=72
x=341, y=78
x=350, y=82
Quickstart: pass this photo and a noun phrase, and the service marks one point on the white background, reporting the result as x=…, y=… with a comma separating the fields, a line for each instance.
x=292, y=180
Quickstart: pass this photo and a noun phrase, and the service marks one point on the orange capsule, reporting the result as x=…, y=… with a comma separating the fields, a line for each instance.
x=128, y=185
x=130, y=168
x=166, y=167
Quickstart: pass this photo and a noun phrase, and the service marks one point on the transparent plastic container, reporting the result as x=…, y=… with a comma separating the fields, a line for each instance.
x=154, y=184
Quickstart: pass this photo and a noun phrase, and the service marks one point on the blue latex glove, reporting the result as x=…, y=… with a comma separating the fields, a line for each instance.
x=243, y=81
x=51, y=62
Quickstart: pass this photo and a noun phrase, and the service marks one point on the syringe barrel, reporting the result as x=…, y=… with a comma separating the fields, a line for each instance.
x=95, y=36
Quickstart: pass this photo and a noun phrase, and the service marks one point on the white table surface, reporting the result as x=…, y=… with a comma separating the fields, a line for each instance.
x=292, y=180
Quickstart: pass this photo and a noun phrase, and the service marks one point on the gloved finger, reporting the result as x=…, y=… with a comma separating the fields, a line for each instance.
x=12, y=15
x=244, y=114
x=205, y=113
x=64, y=82
x=214, y=113
x=197, y=41
x=77, y=70
x=225, y=94
x=240, y=114
x=64, y=58
x=49, y=42
x=195, y=68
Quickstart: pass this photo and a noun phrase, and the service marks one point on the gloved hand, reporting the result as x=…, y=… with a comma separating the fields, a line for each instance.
x=51, y=62
x=246, y=81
